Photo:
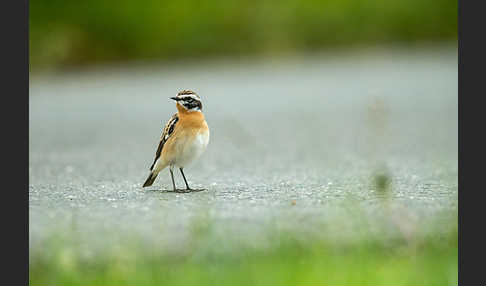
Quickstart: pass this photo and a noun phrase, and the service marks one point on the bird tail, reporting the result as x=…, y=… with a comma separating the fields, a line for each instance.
x=150, y=180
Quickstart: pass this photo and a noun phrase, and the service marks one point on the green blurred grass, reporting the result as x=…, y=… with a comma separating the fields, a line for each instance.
x=429, y=259
x=67, y=33
x=289, y=264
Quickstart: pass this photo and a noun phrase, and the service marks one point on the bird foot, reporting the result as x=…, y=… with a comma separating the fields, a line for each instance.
x=189, y=190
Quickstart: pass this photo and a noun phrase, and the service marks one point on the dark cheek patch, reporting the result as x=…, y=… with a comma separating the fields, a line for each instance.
x=193, y=104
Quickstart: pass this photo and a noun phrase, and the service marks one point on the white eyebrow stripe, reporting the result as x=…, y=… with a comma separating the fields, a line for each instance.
x=193, y=96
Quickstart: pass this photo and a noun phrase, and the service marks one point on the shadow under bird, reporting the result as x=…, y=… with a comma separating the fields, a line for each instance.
x=184, y=139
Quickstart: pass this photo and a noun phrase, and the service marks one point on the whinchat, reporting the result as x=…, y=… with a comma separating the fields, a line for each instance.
x=185, y=138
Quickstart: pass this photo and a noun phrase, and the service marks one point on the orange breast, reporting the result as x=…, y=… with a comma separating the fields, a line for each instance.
x=186, y=130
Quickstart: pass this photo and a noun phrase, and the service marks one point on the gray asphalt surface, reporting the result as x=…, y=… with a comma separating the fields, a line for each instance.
x=294, y=147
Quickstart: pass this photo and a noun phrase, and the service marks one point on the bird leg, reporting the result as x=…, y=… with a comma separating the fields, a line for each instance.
x=172, y=176
x=187, y=186
x=188, y=189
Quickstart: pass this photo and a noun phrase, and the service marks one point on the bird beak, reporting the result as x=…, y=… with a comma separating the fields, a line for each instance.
x=175, y=98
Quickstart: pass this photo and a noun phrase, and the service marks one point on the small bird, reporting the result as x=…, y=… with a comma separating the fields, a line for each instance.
x=185, y=138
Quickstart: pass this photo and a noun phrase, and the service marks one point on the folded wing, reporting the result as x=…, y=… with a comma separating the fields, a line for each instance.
x=168, y=130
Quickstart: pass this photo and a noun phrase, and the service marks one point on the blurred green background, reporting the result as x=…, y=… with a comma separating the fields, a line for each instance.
x=74, y=33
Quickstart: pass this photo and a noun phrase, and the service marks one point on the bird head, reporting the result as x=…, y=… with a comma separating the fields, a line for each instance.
x=189, y=100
